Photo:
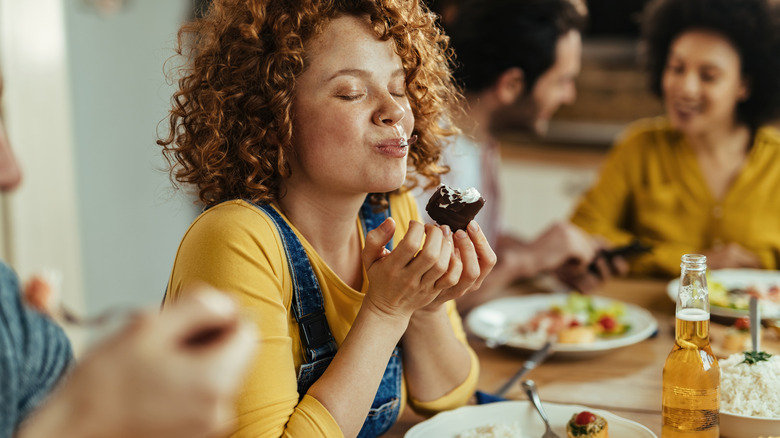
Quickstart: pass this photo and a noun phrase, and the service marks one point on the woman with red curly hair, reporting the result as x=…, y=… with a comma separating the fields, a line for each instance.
x=297, y=121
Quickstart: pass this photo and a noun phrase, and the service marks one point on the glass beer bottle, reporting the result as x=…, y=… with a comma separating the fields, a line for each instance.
x=691, y=377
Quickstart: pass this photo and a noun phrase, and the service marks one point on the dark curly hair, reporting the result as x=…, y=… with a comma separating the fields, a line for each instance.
x=231, y=125
x=750, y=26
x=491, y=36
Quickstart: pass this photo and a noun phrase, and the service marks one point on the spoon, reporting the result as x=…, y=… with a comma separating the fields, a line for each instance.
x=530, y=390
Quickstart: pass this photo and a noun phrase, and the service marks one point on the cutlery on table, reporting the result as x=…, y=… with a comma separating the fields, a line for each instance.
x=531, y=363
x=530, y=390
x=755, y=325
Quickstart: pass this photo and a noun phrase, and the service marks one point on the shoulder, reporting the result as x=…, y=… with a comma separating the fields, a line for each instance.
x=233, y=246
x=230, y=221
x=768, y=135
x=228, y=239
x=646, y=133
x=645, y=139
x=766, y=149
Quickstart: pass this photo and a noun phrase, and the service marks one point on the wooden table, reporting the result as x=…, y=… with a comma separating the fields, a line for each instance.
x=625, y=381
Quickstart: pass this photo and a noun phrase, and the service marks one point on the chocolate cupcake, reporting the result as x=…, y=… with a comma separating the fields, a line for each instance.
x=455, y=208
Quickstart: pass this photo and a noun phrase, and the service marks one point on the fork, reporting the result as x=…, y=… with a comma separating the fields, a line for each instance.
x=530, y=390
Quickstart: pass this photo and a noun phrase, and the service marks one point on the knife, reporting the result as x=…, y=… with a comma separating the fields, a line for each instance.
x=532, y=362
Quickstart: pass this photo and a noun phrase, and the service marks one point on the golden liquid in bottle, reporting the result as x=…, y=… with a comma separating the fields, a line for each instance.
x=691, y=380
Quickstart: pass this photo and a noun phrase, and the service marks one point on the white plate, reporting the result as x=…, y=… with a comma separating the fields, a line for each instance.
x=491, y=320
x=740, y=426
x=733, y=278
x=450, y=423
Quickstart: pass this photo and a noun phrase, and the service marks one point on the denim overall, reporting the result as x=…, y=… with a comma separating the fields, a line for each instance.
x=34, y=355
x=316, y=338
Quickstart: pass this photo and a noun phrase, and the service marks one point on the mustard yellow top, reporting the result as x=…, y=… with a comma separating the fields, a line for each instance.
x=235, y=247
x=651, y=187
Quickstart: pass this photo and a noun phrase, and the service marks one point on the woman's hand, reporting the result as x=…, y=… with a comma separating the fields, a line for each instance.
x=409, y=277
x=471, y=262
x=731, y=255
x=562, y=243
x=588, y=274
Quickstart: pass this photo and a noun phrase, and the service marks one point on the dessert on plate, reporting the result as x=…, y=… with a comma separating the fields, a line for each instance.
x=587, y=425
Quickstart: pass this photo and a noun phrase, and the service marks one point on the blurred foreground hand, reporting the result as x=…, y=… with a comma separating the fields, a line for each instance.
x=170, y=374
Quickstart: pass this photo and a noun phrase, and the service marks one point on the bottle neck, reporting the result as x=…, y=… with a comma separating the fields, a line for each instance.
x=693, y=293
x=692, y=328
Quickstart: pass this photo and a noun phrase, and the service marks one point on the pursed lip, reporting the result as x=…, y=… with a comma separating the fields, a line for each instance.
x=393, y=147
x=685, y=109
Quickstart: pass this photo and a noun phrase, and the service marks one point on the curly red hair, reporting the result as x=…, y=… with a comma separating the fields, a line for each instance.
x=231, y=125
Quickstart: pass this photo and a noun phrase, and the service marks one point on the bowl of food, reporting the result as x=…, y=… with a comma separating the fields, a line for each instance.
x=750, y=395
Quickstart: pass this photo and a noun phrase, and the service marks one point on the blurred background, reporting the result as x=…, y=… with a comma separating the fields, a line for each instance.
x=611, y=92
x=85, y=92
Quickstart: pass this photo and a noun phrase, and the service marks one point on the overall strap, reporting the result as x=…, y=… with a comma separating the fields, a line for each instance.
x=307, y=302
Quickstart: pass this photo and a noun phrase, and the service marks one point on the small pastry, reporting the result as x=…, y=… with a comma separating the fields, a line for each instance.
x=587, y=425
x=579, y=334
x=454, y=208
x=737, y=337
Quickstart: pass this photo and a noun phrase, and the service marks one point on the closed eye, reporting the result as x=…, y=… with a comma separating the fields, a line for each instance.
x=349, y=97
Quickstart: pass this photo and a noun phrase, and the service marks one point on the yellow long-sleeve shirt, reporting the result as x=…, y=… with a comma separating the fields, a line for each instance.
x=235, y=247
x=651, y=187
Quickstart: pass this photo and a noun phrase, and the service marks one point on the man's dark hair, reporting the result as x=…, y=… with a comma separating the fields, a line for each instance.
x=749, y=25
x=491, y=36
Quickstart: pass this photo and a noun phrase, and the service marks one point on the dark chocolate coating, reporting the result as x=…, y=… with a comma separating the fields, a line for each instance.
x=457, y=214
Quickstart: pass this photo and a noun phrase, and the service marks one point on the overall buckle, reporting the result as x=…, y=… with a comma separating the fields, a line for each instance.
x=315, y=331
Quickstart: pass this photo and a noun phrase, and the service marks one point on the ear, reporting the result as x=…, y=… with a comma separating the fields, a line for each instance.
x=744, y=90
x=510, y=85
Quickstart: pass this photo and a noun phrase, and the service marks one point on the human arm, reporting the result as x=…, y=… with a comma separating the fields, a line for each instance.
x=234, y=246
x=560, y=244
x=164, y=375
x=634, y=198
x=35, y=355
x=732, y=255
x=441, y=369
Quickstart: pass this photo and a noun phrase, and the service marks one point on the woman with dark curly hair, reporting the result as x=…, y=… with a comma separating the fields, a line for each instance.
x=297, y=122
x=705, y=177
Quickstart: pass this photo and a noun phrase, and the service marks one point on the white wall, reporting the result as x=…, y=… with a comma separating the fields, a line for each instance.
x=83, y=97
x=41, y=226
x=537, y=194
x=130, y=219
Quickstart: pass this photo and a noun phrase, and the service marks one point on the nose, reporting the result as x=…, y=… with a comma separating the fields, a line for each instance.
x=690, y=84
x=389, y=112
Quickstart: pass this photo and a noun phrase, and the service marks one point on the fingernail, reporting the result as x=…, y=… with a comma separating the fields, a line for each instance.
x=387, y=226
x=447, y=231
x=460, y=234
x=473, y=226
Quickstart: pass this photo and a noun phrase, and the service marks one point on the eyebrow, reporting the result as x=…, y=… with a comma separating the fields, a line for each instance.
x=361, y=73
x=706, y=65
